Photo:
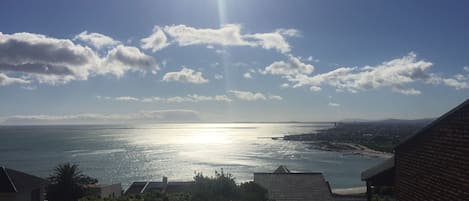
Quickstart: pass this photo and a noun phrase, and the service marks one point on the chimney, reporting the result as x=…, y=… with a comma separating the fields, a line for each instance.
x=165, y=181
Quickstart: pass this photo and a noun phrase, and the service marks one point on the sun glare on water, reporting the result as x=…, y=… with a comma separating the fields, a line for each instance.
x=211, y=136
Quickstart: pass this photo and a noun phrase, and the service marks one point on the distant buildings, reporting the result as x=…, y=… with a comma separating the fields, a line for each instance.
x=432, y=164
x=19, y=186
x=283, y=185
x=164, y=186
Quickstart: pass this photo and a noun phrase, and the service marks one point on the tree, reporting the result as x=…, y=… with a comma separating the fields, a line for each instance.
x=67, y=183
x=250, y=191
x=223, y=187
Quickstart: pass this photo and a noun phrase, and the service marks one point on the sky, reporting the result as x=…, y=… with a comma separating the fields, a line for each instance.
x=224, y=60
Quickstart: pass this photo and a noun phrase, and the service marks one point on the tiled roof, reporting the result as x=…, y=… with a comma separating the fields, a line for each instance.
x=136, y=187
x=385, y=165
x=15, y=181
x=295, y=186
x=282, y=169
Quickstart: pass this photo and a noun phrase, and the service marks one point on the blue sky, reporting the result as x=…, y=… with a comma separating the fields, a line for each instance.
x=149, y=61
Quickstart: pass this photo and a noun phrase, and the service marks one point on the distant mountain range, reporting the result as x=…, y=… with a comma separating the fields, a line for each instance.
x=391, y=120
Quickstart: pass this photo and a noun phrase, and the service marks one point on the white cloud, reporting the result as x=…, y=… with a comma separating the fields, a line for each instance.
x=274, y=40
x=221, y=98
x=151, y=99
x=275, y=97
x=408, y=91
x=284, y=85
x=5, y=80
x=143, y=116
x=174, y=99
x=396, y=74
x=218, y=76
x=247, y=75
x=466, y=68
x=29, y=88
x=247, y=95
x=310, y=58
x=194, y=98
x=253, y=96
x=198, y=98
x=315, y=88
x=226, y=35
x=164, y=62
x=292, y=66
x=334, y=104
x=289, y=32
x=458, y=81
x=43, y=57
x=268, y=41
x=186, y=75
x=127, y=98
x=97, y=40
x=156, y=41
x=126, y=58
x=51, y=60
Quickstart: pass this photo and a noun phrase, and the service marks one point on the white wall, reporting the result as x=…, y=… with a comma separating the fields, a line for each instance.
x=108, y=190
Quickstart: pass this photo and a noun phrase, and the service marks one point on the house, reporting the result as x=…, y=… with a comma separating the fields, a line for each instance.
x=164, y=186
x=105, y=190
x=284, y=185
x=19, y=186
x=380, y=179
x=432, y=164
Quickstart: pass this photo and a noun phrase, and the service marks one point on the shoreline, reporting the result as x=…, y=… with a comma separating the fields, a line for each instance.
x=347, y=148
x=372, y=139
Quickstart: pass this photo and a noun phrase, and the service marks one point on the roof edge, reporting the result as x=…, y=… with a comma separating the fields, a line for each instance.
x=432, y=124
x=9, y=179
x=29, y=175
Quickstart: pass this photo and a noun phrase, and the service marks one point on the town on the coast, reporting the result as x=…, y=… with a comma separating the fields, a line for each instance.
x=429, y=164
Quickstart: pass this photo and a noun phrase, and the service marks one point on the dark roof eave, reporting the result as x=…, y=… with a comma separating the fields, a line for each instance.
x=378, y=169
x=432, y=124
x=11, y=186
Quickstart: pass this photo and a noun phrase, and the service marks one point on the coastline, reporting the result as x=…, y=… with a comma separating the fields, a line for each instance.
x=371, y=139
x=348, y=148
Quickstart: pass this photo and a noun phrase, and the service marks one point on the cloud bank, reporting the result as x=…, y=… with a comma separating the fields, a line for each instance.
x=396, y=74
x=193, y=98
x=51, y=60
x=185, y=75
x=226, y=35
x=151, y=116
x=96, y=40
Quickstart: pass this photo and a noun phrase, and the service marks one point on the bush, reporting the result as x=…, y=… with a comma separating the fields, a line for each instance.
x=221, y=187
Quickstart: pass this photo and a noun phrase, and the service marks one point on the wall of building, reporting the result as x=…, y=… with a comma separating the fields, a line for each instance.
x=294, y=187
x=435, y=165
x=114, y=190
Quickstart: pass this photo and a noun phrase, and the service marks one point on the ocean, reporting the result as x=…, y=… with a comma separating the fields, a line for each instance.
x=128, y=153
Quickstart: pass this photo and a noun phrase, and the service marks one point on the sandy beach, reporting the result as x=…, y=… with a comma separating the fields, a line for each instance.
x=348, y=148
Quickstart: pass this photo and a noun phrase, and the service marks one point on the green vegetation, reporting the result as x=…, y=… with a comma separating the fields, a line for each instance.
x=67, y=183
x=221, y=187
x=150, y=196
